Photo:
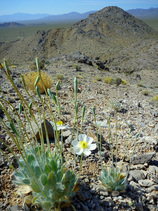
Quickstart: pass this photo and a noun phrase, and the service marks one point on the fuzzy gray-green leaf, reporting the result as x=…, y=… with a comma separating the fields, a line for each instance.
x=44, y=179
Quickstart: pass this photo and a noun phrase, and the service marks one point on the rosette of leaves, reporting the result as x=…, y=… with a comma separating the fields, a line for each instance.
x=52, y=184
x=113, y=180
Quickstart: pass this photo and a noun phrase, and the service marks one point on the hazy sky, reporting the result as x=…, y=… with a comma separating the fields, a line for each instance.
x=65, y=6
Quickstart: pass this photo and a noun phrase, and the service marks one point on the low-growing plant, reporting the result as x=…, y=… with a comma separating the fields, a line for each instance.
x=117, y=81
x=116, y=106
x=111, y=177
x=80, y=76
x=145, y=92
x=13, y=66
x=59, y=77
x=124, y=82
x=140, y=85
x=43, y=81
x=52, y=184
x=113, y=180
x=78, y=68
x=155, y=98
x=108, y=80
x=98, y=78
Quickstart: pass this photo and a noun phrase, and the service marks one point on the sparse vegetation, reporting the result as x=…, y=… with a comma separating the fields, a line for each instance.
x=155, y=98
x=124, y=82
x=108, y=80
x=59, y=77
x=98, y=78
x=33, y=65
x=116, y=106
x=117, y=81
x=145, y=92
x=140, y=85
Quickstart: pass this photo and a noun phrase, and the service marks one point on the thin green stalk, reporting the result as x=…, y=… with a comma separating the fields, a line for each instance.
x=116, y=142
x=111, y=144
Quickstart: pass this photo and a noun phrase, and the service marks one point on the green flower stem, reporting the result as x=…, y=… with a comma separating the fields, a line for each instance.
x=126, y=147
x=116, y=142
x=98, y=143
x=80, y=164
x=111, y=144
x=83, y=114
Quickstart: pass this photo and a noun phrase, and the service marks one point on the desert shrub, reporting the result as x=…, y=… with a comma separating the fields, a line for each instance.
x=59, y=77
x=124, y=82
x=155, y=98
x=13, y=66
x=78, y=68
x=116, y=106
x=117, y=81
x=145, y=92
x=108, y=80
x=140, y=85
x=80, y=76
x=98, y=78
x=31, y=77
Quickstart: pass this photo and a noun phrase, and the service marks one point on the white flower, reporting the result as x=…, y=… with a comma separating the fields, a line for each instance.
x=59, y=125
x=83, y=145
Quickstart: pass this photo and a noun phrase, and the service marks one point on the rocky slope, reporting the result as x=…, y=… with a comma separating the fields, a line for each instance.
x=118, y=38
x=128, y=105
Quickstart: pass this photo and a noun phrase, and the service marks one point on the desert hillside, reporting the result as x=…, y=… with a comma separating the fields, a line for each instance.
x=118, y=38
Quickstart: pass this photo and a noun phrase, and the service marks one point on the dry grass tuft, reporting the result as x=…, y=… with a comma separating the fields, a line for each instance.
x=30, y=79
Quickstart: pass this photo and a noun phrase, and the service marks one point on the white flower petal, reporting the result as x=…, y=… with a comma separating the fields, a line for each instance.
x=92, y=146
x=82, y=137
x=89, y=140
x=86, y=152
x=74, y=143
x=78, y=150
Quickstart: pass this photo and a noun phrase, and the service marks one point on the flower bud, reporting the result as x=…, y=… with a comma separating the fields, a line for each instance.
x=83, y=111
x=37, y=80
x=6, y=67
x=37, y=64
x=52, y=96
x=93, y=109
x=12, y=126
x=75, y=85
x=38, y=91
x=23, y=80
x=57, y=85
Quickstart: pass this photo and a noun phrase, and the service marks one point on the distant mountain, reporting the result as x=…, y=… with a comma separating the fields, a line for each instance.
x=144, y=13
x=72, y=16
x=10, y=25
x=69, y=17
x=21, y=17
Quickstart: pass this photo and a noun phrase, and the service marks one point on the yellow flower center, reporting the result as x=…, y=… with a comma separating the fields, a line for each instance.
x=84, y=144
x=59, y=123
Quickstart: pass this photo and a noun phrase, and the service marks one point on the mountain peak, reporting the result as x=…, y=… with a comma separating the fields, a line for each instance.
x=114, y=21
